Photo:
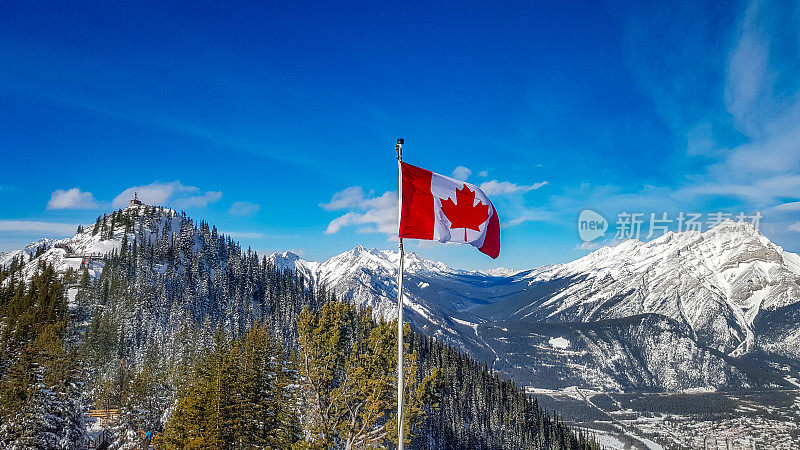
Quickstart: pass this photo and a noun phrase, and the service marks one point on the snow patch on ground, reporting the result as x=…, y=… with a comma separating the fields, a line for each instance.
x=419, y=309
x=467, y=323
x=71, y=294
x=700, y=390
x=559, y=342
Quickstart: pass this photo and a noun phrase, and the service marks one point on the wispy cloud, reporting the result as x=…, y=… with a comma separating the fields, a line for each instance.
x=791, y=206
x=495, y=187
x=761, y=192
x=483, y=174
x=244, y=208
x=173, y=193
x=522, y=219
x=732, y=98
x=38, y=227
x=125, y=104
x=369, y=213
x=751, y=131
x=71, y=199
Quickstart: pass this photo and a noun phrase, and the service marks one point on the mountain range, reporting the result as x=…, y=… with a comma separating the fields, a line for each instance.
x=712, y=310
x=716, y=310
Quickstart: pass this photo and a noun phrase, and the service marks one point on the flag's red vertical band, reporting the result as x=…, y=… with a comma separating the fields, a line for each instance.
x=491, y=243
x=417, y=215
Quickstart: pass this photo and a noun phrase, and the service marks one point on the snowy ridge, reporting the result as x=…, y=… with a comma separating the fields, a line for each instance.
x=90, y=246
x=686, y=310
x=716, y=282
x=28, y=253
x=366, y=277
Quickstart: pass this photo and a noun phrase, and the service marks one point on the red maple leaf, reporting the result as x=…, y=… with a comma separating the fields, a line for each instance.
x=464, y=214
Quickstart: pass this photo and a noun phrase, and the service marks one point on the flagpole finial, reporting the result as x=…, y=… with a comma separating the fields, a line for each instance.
x=399, y=148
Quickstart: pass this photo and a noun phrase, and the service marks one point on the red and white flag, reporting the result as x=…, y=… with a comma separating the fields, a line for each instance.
x=440, y=208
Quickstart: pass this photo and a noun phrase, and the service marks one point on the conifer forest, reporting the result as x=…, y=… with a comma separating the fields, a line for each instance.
x=186, y=340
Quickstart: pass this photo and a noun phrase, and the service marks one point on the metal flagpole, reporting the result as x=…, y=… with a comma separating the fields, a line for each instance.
x=400, y=434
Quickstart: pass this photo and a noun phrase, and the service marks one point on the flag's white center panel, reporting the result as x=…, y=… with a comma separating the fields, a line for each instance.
x=459, y=214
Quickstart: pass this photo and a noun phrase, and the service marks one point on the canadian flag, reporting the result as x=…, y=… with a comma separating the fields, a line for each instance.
x=440, y=208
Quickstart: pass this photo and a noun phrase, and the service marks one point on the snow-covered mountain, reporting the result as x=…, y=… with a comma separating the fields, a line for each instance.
x=368, y=277
x=685, y=310
x=88, y=246
x=716, y=283
x=717, y=309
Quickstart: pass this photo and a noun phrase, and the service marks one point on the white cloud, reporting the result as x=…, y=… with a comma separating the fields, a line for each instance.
x=748, y=77
x=495, y=187
x=348, y=198
x=795, y=227
x=518, y=221
x=36, y=227
x=483, y=173
x=791, y=206
x=461, y=173
x=158, y=193
x=244, y=208
x=754, y=140
x=741, y=130
x=369, y=214
x=71, y=199
x=342, y=221
x=762, y=191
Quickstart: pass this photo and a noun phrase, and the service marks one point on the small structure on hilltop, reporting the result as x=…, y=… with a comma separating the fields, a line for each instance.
x=135, y=200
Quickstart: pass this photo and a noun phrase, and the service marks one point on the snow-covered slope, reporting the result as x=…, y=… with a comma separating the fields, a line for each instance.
x=724, y=296
x=716, y=283
x=368, y=278
x=27, y=253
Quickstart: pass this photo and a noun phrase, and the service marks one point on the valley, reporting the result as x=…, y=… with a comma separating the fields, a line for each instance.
x=695, y=419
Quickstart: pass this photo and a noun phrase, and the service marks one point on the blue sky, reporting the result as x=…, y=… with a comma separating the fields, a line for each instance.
x=256, y=116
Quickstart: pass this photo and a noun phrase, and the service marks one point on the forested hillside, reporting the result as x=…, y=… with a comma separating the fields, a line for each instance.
x=208, y=345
